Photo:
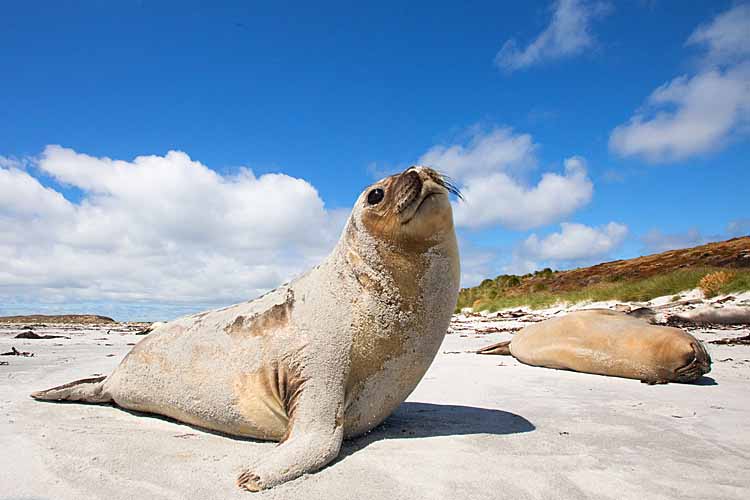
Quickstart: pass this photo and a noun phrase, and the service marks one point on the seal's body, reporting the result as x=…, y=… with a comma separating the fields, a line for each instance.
x=326, y=356
x=612, y=343
x=711, y=314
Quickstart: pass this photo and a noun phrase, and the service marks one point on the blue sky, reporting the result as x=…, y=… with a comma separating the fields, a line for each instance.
x=639, y=109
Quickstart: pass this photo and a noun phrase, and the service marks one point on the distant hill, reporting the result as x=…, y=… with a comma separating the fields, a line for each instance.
x=636, y=279
x=87, y=319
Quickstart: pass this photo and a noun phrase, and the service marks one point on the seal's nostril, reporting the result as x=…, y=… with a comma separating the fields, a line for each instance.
x=408, y=188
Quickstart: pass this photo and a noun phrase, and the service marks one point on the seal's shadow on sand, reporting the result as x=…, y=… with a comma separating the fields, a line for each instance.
x=410, y=420
x=419, y=420
x=704, y=380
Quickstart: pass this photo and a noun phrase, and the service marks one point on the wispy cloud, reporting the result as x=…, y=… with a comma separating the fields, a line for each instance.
x=726, y=38
x=687, y=116
x=568, y=34
x=696, y=114
x=657, y=241
x=12, y=162
x=739, y=227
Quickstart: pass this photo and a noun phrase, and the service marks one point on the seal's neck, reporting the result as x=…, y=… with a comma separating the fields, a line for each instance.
x=398, y=275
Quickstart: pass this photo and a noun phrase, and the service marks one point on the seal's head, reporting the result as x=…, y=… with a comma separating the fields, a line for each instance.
x=411, y=209
x=693, y=360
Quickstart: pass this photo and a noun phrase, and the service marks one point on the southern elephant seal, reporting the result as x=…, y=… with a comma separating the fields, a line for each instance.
x=325, y=357
x=612, y=343
x=713, y=315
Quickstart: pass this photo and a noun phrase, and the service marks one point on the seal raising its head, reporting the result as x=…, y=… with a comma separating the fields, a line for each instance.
x=326, y=356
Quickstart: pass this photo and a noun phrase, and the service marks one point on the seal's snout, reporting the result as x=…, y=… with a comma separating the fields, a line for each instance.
x=408, y=189
x=422, y=191
x=697, y=364
x=433, y=176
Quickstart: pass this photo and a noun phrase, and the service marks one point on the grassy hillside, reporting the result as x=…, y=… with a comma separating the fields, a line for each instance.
x=722, y=267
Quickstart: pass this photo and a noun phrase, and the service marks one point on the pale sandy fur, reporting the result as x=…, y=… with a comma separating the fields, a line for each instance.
x=280, y=367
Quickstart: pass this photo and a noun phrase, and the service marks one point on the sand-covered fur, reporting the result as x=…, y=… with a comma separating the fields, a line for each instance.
x=328, y=355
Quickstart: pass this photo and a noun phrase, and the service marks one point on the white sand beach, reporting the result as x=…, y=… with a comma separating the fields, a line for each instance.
x=293, y=202
x=477, y=427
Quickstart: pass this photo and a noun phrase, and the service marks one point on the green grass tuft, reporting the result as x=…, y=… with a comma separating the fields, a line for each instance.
x=739, y=283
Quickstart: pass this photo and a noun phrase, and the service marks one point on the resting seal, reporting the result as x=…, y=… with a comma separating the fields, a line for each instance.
x=612, y=343
x=712, y=315
x=325, y=357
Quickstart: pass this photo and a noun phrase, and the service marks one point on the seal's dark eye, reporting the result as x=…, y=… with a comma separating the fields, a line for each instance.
x=375, y=196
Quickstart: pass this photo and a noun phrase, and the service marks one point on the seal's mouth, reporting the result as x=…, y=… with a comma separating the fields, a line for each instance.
x=427, y=197
x=427, y=193
x=415, y=187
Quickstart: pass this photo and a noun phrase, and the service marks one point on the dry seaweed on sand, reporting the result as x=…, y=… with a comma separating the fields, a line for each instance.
x=497, y=329
x=732, y=341
x=16, y=352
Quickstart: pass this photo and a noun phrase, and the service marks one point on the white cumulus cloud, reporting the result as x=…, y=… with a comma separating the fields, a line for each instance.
x=687, y=116
x=575, y=242
x=568, y=34
x=497, y=150
x=696, y=114
x=157, y=228
x=492, y=170
x=494, y=196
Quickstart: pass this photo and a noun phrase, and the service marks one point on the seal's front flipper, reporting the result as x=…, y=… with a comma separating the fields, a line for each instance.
x=299, y=455
x=313, y=439
x=501, y=348
x=88, y=390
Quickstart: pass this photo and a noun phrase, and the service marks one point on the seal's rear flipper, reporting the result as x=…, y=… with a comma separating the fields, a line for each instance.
x=501, y=348
x=88, y=390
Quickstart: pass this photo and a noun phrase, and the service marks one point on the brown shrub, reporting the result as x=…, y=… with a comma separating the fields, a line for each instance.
x=711, y=284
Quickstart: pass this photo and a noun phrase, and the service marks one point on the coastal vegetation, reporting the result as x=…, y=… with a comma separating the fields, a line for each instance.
x=715, y=268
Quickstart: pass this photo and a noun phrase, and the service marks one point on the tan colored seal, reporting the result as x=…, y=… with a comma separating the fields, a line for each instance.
x=326, y=356
x=612, y=343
